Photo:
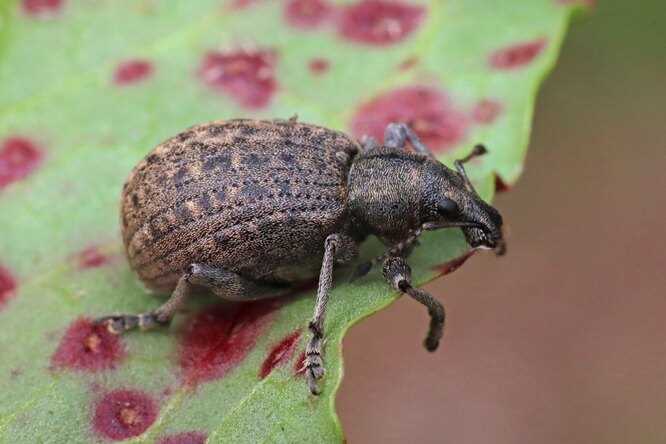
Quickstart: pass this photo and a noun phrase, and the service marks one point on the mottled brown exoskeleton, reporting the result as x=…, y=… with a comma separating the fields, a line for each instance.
x=249, y=208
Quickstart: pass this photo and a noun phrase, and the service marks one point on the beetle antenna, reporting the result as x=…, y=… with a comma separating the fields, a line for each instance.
x=438, y=225
x=478, y=150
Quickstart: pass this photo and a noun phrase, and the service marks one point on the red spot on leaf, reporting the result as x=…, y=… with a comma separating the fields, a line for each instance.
x=307, y=14
x=242, y=4
x=132, y=71
x=299, y=365
x=280, y=353
x=219, y=338
x=379, y=22
x=454, y=264
x=500, y=185
x=247, y=76
x=184, y=438
x=486, y=111
x=88, y=347
x=42, y=8
x=18, y=158
x=7, y=286
x=516, y=56
x=319, y=66
x=429, y=112
x=123, y=414
x=91, y=257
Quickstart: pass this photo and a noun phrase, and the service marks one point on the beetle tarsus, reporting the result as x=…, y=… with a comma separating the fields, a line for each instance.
x=119, y=324
x=431, y=344
x=314, y=370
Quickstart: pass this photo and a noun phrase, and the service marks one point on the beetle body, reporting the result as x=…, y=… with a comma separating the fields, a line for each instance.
x=247, y=208
x=255, y=197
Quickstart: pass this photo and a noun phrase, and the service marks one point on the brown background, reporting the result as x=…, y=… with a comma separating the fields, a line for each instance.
x=563, y=340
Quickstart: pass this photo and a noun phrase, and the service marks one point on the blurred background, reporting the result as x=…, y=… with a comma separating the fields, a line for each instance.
x=563, y=340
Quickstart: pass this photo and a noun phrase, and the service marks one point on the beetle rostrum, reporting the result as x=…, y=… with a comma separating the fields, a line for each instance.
x=247, y=209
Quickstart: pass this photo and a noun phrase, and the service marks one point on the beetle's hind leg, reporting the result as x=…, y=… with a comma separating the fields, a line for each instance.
x=223, y=283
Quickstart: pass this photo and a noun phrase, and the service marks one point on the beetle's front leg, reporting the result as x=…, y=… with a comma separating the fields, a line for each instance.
x=314, y=363
x=399, y=275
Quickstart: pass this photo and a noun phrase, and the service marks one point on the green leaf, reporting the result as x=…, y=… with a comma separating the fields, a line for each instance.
x=70, y=133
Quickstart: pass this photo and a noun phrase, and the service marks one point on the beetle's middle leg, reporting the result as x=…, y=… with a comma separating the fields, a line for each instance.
x=398, y=273
x=225, y=284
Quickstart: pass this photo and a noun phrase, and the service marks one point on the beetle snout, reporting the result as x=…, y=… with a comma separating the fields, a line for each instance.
x=497, y=242
x=486, y=240
x=500, y=247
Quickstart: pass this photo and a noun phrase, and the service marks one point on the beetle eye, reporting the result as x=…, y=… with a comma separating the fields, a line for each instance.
x=447, y=207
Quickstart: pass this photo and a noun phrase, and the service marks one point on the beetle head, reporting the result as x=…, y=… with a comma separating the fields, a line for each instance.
x=452, y=201
x=393, y=192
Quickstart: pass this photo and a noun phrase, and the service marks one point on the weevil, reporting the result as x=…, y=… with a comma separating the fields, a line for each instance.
x=249, y=208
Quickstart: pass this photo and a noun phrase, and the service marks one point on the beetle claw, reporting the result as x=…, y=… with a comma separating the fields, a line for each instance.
x=313, y=375
x=117, y=325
